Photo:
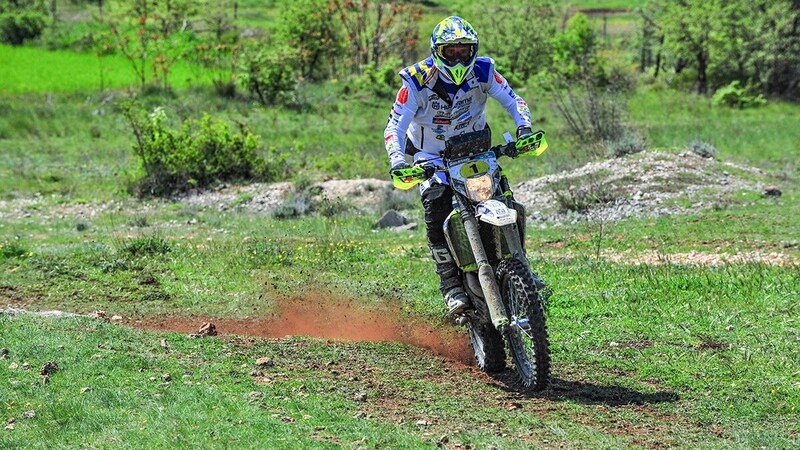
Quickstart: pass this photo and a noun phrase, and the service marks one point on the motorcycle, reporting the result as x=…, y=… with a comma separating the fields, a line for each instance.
x=485, y=235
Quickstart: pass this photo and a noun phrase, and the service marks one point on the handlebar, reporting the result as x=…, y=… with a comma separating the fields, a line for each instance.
x=534, y=145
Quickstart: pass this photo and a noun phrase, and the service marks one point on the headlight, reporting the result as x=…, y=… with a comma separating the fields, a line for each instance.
x=480, y=189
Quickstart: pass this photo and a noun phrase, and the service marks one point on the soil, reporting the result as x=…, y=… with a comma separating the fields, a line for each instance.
x=321, y=316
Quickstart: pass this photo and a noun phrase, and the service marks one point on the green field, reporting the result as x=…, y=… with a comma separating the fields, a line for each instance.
x=30, y=69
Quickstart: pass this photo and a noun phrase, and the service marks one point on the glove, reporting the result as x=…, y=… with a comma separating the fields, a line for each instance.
x=398, y=165
x=523, y=132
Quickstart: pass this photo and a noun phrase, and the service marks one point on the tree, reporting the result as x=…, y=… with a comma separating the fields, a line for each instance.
x=309, y=26
x=376, y=30
x=516, y=34
x=756, y=43
x=152, y=35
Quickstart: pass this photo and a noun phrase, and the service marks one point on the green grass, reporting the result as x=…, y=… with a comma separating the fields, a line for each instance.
x=767, y=134
x=31, y=69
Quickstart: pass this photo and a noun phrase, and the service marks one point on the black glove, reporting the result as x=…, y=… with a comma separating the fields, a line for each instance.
x=397, y=166
x=523, y=132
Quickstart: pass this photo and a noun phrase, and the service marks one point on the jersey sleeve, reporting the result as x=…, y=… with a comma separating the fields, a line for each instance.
x=516, y=106
x=403, y=110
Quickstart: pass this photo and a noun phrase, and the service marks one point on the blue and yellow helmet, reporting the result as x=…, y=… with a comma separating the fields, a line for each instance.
x=454, y=46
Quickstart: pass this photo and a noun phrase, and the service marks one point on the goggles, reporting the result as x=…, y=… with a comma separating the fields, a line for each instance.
x=454, y=54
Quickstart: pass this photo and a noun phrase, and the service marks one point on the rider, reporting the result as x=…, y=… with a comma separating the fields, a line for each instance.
x=443, y=96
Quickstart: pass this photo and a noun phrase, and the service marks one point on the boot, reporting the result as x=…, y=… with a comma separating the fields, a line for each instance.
x=450, y=285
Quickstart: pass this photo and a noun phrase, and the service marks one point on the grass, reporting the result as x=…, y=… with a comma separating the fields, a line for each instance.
x=671, y=349
x=31, y=69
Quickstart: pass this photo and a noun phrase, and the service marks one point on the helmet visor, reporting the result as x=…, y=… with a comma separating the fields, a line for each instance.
x=454, y=54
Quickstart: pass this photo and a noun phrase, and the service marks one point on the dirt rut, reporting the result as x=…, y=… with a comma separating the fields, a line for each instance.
x=320, y=316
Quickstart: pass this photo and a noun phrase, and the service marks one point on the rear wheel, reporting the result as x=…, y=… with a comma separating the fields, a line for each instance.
x=527, y=335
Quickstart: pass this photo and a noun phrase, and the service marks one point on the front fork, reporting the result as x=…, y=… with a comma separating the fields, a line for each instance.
x=486, y=277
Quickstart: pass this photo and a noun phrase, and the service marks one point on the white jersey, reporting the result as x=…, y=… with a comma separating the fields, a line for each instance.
x=424, y=118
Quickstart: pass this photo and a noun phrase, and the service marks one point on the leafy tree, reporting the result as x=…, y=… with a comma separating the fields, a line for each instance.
x=151, y=34
x=220, y=48
x=376, y=30
x=22, y=20
x=310, y=27
x=268, y=72
x=584, y=91
x=756, y=43
x=516, y=34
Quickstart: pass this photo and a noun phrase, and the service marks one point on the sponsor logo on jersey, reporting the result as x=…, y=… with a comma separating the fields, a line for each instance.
x=441, y=121
x=402, y=95
x=498, y=78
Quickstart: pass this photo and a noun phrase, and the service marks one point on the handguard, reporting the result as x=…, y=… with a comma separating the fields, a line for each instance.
x=533, y=145
x=408, y=177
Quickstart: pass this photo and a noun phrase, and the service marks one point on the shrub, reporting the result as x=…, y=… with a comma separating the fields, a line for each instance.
x=18, y=27
x=146, y=245
x=268, y=73
x=581, y=199
x=381, y=81
x=629, y=143
x=196, y=156
x=735, y=96
x=702, y=148
x=10, y=250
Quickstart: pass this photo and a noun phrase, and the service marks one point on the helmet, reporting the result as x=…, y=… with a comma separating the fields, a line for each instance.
x=454, y=46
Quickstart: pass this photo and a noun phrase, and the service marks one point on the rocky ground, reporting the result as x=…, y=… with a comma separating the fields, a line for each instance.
x=645, y=184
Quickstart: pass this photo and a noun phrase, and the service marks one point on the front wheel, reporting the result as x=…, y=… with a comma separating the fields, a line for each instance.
x=487, y=344
x=526, y=337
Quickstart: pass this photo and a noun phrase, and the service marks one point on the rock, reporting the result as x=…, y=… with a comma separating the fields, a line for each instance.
x=13, y=366
x=116, y=318
x=4, y=353
x=408, y=227
x=85, y=390
x=360, y=397
x=164, y=343
x=423, y=423
x=207, y=329
x=256, y=394
x=391, y=219
x=99, y=315
x=49, y=368
x=166, y=378
x=265, y=362
x=29, y=414
x=772, y=191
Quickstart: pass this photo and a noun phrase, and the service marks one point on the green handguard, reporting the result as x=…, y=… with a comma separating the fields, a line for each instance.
x=535, y=144
x=407, y=178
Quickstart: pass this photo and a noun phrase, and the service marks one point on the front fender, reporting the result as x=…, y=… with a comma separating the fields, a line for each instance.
x=495, y=212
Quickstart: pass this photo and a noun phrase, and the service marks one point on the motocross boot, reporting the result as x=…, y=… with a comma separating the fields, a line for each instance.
x=450, y=284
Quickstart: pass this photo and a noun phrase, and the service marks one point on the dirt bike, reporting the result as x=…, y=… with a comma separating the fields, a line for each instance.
x=485, y=234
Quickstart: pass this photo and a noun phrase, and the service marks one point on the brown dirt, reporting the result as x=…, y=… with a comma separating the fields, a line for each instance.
x=322, y=316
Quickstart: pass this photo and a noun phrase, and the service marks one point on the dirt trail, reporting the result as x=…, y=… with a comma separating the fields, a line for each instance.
x=321, y=316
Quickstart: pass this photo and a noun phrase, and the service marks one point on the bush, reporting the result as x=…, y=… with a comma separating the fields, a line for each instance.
x=703, y=149
x=735, y=96
x=18, y=27
x=268, y=73
x=196, y=156
x=629, y=143
x=380, y=81
x=10, y=250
